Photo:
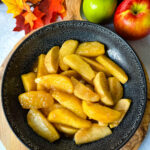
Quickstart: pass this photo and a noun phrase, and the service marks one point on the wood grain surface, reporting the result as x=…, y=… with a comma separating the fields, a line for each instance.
x=9, y=139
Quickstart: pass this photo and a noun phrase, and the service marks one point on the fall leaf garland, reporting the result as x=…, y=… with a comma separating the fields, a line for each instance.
x=32, y=14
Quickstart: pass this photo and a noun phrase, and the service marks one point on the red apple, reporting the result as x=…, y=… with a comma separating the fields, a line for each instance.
x=132, y=19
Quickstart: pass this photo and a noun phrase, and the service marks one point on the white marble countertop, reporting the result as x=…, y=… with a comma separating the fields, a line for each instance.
x=8, y=39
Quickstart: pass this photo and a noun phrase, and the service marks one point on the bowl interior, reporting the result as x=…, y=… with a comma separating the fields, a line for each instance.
x=55, y=34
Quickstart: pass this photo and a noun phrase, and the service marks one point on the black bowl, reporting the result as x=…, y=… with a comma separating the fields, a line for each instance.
x=55, y=34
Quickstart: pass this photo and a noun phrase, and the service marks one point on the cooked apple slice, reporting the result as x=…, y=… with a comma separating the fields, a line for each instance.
x=83, y=92
x=46, y=111
x=56, y=81
x=67, y=48
x=51, y=60
x=101, y=86
x=100, y=113
x=79, y=65
x=35, y=99
x=90, y=49
x=28, y=81
x=96, y=66
x=41, y=70
x=69, y=101
x=116, y=88
x=41, y=126
x=94, y=133
x=113, y=68
x=66, y=117
x=65, y=129
x=122, y=106
x=70, y=73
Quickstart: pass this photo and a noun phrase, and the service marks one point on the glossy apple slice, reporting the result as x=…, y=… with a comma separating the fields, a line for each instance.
x=94, y=133
x=70, y=102
x=100, y=113
x=122, y=106
x=90, y=49
x=41, y=126
x=56, y=81
x=67, y=48
x=83, y=92
x=51, y=60
x=113, y=68
x=116, y=88
x=35, y=99
x=79, y=65
x=101, y=86
x=66, y=117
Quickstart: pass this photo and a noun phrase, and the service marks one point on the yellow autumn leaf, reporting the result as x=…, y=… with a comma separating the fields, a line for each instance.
x=29, y=18
x=16, y=6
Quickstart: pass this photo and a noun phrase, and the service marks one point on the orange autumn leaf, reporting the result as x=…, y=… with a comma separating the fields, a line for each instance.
x=39, y=22
x=16, y=6
x=52, y=9
x=29, y=18
x=20, y=21
x=45, y=12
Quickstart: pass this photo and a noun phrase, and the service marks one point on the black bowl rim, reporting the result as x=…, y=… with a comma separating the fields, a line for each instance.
x=74, y=21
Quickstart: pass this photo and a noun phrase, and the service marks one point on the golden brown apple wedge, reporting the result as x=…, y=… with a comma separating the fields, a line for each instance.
x=113, y=68
x=70, y=102
x=94, y=133
x=66, y=117
x=102, y=88
x=41, y=70
x=56, y=81
x=79, y=65
x=122, y=106
x=35, y=99
x=41, y=126
x=116, y=88
x=90, y=49
x=83, y=92
x=100, y=113
x=28, y=81
x=52, y=59
x=67, y=48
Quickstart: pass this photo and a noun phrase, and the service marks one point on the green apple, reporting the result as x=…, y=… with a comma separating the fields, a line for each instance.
x=98, y=11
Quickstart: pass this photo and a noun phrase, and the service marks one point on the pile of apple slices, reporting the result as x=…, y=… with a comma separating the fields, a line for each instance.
x=75, y=90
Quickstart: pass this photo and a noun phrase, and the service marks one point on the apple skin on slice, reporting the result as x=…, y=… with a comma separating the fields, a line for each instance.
x=41, y=126
x=94, y=133
x=122, y=106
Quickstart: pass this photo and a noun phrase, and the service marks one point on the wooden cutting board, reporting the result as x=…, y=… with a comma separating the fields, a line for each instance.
x=9, y=139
